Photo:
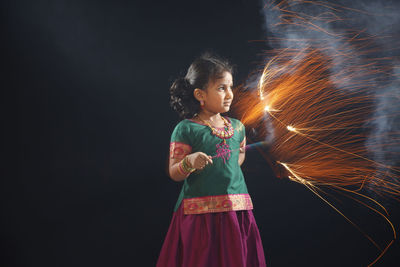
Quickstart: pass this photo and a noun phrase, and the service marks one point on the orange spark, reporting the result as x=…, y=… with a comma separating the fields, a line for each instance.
x=320, y=129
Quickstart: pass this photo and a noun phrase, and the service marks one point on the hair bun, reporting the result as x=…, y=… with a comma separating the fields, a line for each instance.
x=181, y=95
x=181, y=83
x=180, y=87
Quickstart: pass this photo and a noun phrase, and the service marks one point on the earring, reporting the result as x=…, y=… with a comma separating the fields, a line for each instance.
x=201, y=103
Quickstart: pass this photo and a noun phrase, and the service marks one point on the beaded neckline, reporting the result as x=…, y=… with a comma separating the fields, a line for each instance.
x=197, y=122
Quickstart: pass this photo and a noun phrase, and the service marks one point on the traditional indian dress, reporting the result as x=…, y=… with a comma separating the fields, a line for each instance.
x=213, y=222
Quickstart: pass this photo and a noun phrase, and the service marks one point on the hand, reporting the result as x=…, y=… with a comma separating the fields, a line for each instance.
x=199, y=160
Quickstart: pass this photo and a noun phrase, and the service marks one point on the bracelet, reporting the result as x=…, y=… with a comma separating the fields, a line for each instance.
x=186, y=167
x=181, y=169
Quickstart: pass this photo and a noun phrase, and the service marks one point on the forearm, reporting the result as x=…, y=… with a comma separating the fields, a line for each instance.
x=176, y=173
x=180, y=169
x=241, y=158
x=242, y=151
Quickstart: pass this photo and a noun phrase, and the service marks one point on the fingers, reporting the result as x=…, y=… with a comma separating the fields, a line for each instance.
x=207, y=159
x=203, y=160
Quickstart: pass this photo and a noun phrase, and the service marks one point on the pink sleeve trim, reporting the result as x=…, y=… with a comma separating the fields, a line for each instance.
x=178, y=150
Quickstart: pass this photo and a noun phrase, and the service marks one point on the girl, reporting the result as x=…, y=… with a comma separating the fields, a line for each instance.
x=213, y=223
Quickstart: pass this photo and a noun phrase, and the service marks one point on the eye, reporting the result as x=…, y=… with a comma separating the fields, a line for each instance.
x=221, y=88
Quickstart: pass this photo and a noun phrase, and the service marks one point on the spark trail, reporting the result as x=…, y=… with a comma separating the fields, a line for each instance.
x=324, y=93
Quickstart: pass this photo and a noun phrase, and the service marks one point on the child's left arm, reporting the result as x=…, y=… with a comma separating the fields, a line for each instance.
x=242, y=151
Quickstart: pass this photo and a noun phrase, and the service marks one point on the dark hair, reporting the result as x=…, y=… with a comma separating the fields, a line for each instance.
x=204, y=69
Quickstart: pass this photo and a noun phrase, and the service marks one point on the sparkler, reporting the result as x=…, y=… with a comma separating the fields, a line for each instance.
x=320, y=115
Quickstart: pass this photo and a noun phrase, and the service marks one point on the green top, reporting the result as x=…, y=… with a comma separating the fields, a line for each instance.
x=219, y=178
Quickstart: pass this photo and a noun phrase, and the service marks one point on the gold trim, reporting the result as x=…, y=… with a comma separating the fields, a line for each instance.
x=221, y=203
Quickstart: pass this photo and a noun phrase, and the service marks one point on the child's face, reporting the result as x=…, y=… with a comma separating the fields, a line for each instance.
x=219, y=95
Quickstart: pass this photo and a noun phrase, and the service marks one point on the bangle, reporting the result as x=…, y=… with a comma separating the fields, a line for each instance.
x=181, y=169
x=186, y=167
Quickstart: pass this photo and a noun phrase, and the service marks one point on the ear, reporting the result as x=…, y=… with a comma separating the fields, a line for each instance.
x=198, y=94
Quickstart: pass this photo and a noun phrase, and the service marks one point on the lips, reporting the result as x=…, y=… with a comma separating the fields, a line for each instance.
x=227, y=103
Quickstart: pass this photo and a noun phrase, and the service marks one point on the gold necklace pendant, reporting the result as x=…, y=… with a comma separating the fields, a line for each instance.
x=227, y=131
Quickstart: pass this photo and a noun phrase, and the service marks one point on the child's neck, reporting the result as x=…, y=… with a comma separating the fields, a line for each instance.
x=213, y=118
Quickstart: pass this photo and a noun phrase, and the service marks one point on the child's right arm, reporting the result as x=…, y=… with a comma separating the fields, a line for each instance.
x=182, y=161
x=197, y=160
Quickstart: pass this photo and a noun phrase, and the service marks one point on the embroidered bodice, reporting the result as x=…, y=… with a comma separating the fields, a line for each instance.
x=219, y=186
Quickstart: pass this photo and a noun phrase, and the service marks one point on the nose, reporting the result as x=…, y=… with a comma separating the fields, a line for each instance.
x=229, y=94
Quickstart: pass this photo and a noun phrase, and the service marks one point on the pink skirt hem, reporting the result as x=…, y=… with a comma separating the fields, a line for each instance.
x=223, y=239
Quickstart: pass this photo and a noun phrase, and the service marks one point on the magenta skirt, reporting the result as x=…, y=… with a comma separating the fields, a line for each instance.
x=223, y=239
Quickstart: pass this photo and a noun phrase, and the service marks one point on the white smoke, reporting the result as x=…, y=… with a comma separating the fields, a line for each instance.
x=329, y=25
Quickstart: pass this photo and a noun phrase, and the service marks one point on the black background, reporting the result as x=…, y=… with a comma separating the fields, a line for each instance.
x=86, y=136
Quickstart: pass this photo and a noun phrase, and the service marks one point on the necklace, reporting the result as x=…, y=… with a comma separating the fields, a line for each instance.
x=223, y=150
x=224, y=134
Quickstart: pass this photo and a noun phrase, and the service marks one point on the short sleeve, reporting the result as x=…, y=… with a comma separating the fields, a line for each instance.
x=180, y=143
